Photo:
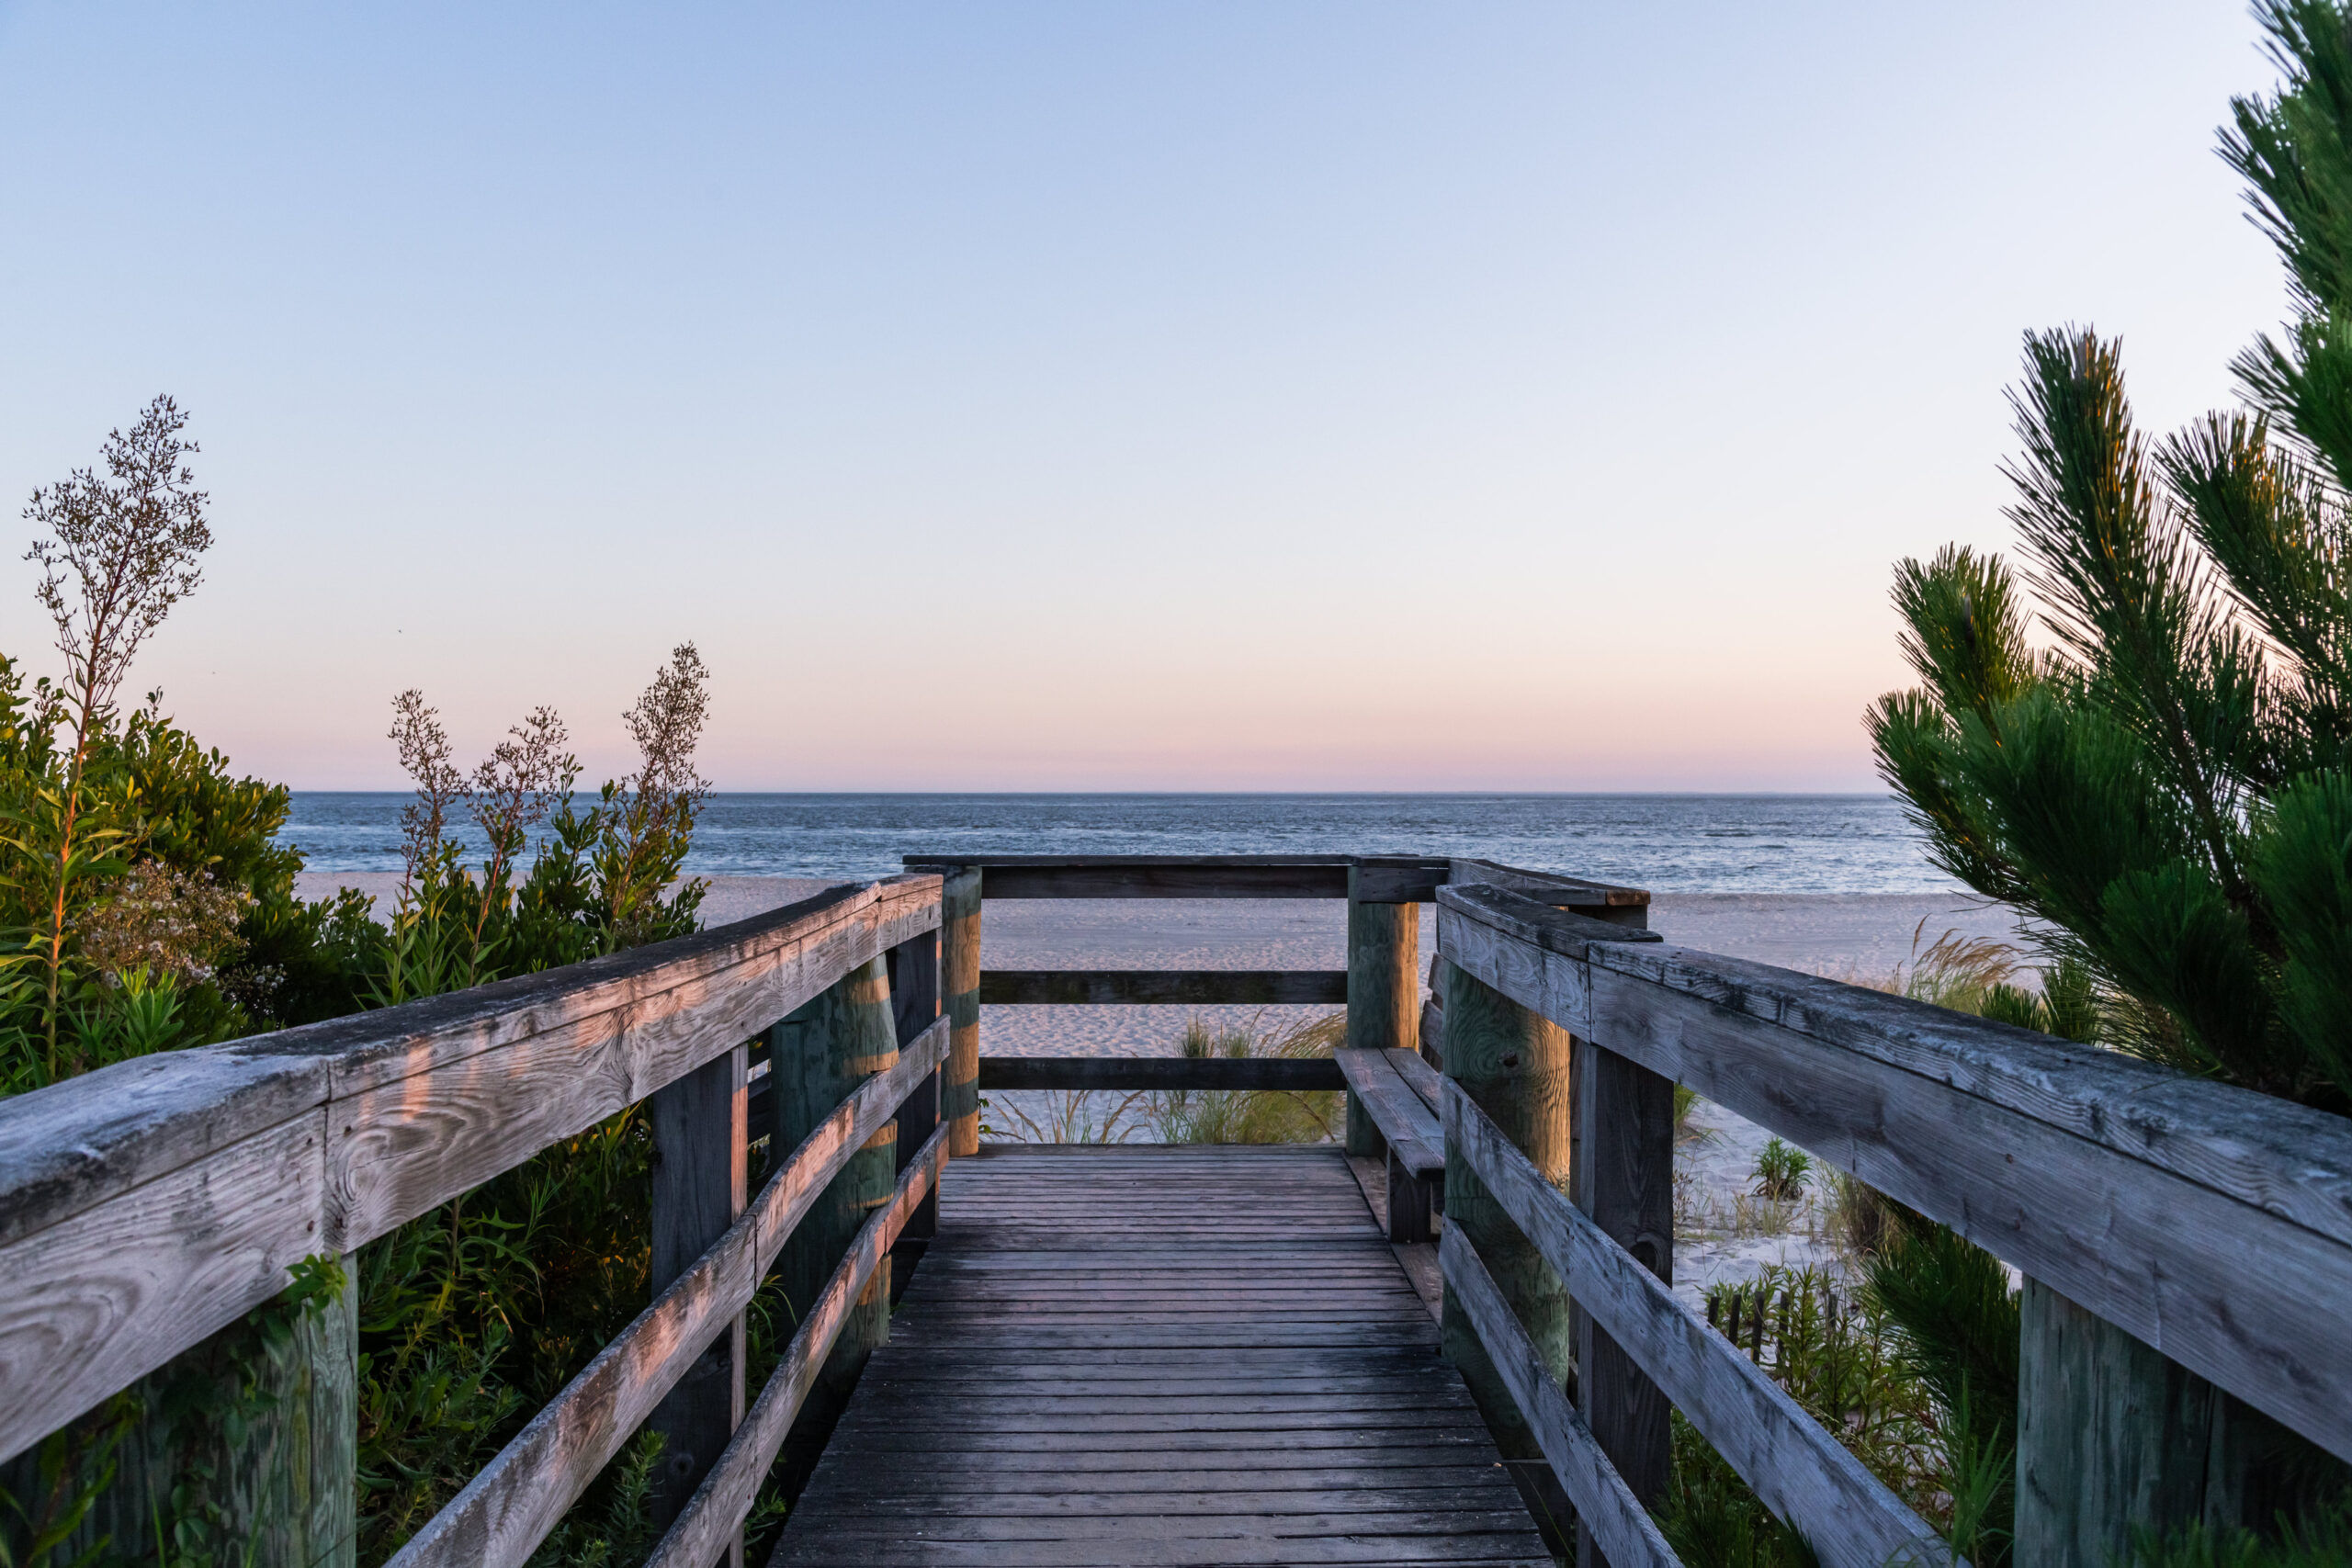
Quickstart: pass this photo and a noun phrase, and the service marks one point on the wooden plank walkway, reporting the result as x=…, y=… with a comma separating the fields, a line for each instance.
x=1147, y=1355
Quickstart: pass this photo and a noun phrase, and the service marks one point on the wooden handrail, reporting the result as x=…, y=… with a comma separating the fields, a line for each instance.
x=2137, y=1191
x=1802, y=1474
x=1154, y=876
x=719, y=1506
x=1200, y=987
x=1626, y=1533
x=1177, y=1074
x=147, y=1204
x=1377, y=879
x=501, y=1517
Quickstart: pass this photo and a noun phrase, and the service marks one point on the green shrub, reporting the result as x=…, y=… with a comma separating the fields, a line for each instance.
x=1782, y=1171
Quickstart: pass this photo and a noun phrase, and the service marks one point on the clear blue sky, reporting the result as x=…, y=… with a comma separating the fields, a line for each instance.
x=1204, y=395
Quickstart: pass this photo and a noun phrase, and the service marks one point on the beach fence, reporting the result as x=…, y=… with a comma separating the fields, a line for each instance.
x=2187, y=1247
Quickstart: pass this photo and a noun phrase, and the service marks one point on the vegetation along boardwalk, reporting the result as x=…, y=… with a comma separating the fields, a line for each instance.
x=1160, y=1355
x=1193, y=1352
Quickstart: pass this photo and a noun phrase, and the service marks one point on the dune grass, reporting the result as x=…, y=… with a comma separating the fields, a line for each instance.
x=1254, y=1116
x=1191, y=1116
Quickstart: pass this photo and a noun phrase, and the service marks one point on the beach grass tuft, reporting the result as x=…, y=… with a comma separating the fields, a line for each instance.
x=1254, y=1116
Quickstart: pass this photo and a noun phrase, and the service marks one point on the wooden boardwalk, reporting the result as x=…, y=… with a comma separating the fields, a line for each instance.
x=1137, y=1355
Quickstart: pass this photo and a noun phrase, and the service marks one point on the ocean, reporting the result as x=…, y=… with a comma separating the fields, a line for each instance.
x=1678, y=843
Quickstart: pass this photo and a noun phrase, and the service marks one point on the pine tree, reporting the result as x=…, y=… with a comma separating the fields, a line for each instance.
x=2166, y=784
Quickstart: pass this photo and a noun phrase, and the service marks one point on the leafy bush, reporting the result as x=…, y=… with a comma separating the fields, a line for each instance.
x=146, y=904
x=479, y=1312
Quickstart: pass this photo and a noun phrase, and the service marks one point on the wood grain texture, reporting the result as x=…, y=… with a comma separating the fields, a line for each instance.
x=402, y=1144
x=1515, y=1064
x=65, y=1148
x=1419, y=1076
x=501, y=1517
x=1405, y=1121
x=1544, y=887
x=699, y=1148
x=914, y=996
x=959, y=967
x=110, y=1293
x=1296, y=1074
x=2134, y=1192
x=715, y=1515
x=1433, y=1032
x=1204, y=988
x=1623, y=1177
x=823, y=1055
x=1384, y=972
x=2111, y=1438
x=1799, y=1470
x=283, y=1485
x=1396, y=879
x=1152, y=876
x=1159, y=1372
x=1606, y=1508
x=1413, y=1151
x=143, y=1221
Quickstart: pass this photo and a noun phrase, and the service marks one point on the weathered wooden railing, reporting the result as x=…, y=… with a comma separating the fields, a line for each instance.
x=2188, y=1246
x=148, y=1205
x=1380, y=987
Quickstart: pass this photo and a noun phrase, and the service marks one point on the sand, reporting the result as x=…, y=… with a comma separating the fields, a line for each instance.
x=1721, y=1235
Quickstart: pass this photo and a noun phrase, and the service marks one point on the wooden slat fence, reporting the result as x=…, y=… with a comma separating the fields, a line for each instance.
x=1378, y=986
x=2212, y=1225
x=147, y=1205
x=2180, y=1229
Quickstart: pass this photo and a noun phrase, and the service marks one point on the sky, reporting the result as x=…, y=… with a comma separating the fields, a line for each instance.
x=1224, y=394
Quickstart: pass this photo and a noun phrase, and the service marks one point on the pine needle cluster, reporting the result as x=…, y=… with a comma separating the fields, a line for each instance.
x=2164, y=781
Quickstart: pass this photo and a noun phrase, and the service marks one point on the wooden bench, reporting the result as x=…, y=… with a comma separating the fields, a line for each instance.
x=1389, y=1086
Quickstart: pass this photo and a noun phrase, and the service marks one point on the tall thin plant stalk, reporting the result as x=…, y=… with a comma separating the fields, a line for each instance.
x=121, y=552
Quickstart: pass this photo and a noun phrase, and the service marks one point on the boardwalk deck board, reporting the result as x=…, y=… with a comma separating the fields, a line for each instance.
x=1159, y=1356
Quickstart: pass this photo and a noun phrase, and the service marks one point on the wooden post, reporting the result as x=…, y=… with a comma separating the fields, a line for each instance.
x=959, y=942
x=2111, y=1435
x=1383, y=992
x=1624, y=1178
x=914, y=1001
x=820, y=1054
x=698, y=1190
x=278, y=1487
x=1514, y=1065
x=829, y=1048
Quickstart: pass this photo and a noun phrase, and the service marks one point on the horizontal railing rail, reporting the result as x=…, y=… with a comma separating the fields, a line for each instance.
x=1802, y=1474
x=2211, y=1224
x=1626, y=1534
x=1380, y=987
x=148, y=1205
x=1161, y=1074
x=1160, y=987
x=1363, y=879
x=2136, y=1191
x=715, y=1511
x=509, y=1507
